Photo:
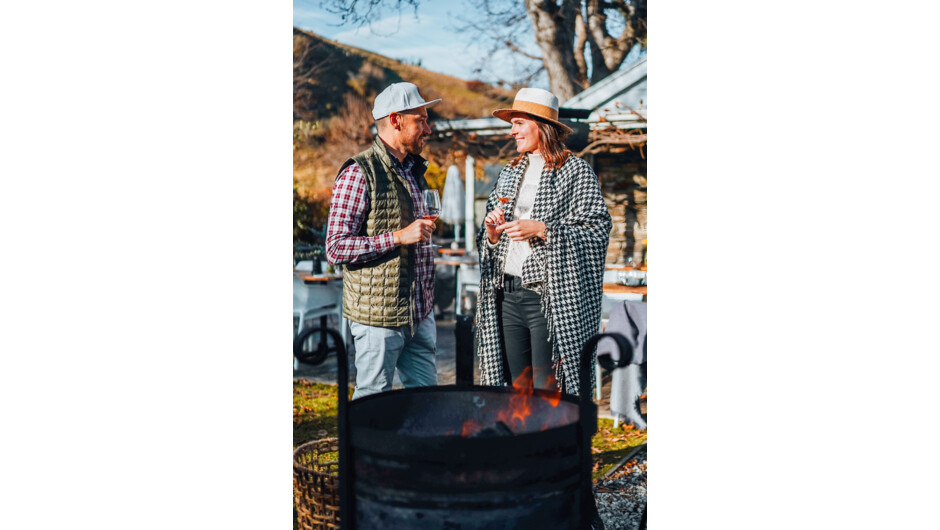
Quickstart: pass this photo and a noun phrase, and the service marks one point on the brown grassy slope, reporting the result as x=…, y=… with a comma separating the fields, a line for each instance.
x=331, y=69
x=334, y=87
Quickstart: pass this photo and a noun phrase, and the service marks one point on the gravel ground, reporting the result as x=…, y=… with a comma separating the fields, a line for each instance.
x=621, y=497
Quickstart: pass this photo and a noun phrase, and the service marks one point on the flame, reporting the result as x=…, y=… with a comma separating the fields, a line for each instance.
x=470, y=427
x=524, y=381
x=518, y=410
x=555, y=398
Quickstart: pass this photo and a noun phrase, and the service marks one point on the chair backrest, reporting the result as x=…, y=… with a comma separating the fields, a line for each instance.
x=306, y=265
x=629, y=318
x=612, y=299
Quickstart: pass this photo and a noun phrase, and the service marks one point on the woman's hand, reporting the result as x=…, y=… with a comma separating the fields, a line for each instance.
x=522, y=229
x=492, y=222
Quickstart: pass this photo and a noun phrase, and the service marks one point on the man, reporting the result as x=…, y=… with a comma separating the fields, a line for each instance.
x=376, y=232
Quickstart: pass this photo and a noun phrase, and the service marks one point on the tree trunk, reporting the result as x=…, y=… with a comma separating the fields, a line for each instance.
x=599, y=68
x=554, y=28
x=605, y=49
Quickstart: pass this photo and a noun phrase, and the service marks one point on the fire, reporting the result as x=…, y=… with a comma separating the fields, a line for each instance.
x=555, y=398
x=515, y=414
x=519, y=409
x=470, y=427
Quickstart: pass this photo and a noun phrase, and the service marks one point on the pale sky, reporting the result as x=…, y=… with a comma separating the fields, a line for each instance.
x=431, y=37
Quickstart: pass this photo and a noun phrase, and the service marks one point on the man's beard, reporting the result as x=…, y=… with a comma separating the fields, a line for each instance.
x=414, y=147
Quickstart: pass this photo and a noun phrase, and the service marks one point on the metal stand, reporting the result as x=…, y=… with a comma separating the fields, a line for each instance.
x=588, y=419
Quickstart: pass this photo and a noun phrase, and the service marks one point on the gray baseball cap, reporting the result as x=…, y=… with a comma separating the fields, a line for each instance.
x=399, y=97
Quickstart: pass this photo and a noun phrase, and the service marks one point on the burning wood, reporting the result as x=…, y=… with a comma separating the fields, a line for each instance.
x=493, y=431
x=512, y=418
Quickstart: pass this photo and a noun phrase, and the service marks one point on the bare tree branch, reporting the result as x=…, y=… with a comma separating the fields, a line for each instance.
x=512, y=46
x=562, y=29
x=580, y=40
x=364, y=13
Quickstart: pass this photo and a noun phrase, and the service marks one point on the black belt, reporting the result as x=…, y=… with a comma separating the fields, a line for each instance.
x=511, y=283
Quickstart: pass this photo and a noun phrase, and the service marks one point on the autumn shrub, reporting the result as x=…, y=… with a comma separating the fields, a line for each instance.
x=348, y=131
x=310, y=213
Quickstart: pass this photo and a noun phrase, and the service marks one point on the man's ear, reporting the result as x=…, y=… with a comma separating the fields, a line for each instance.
x=394, y=119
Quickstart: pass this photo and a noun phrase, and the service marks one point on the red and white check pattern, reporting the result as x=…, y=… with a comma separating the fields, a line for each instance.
x=349, y=208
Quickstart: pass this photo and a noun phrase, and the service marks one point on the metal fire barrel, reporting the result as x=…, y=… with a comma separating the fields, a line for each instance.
x=412, y=468
x=408, y=460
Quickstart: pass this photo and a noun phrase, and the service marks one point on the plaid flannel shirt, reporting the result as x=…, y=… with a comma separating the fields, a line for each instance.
x=349, y=208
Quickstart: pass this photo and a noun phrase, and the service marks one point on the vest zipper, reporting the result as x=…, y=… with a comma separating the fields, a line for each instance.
x=412, y=304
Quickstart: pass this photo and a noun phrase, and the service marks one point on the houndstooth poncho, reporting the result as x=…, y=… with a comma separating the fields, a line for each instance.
x=568, y=265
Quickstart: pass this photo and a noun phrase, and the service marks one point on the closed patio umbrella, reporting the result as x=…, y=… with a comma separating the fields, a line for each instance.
x=452, y=203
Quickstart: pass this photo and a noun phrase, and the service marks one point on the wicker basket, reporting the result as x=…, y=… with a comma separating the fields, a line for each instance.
x=316, y=484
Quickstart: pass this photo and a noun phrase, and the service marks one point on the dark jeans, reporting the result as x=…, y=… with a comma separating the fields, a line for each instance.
x=525, y=334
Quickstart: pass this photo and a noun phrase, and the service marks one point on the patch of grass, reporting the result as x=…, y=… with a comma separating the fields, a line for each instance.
x=609, y=445
x=315, y=410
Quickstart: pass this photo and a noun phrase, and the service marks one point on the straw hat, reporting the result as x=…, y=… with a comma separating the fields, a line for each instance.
x=535, y=102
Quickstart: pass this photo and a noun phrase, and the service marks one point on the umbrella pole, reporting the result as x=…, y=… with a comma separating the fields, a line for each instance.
x=455, y=245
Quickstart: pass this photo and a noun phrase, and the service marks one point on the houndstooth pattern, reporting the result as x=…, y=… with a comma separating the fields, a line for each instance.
x=569, y=265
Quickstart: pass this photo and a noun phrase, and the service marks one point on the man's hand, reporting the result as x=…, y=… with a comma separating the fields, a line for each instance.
x=419, y=230
x=523, y=229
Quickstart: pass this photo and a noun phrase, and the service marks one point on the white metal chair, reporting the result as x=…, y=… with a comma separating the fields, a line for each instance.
x=317, y=301
x=306, y=265
x=629, y=380
x=609, y=301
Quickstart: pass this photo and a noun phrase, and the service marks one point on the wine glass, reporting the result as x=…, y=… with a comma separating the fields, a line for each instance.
x=432, y=210
x=503, y=196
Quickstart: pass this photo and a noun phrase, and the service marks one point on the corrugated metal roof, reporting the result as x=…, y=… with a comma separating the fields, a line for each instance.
x=627, y=84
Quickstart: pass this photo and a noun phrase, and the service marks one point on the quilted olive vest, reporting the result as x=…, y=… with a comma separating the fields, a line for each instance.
x=380, y=292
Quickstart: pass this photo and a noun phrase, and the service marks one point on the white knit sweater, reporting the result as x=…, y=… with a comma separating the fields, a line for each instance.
x=519, y=250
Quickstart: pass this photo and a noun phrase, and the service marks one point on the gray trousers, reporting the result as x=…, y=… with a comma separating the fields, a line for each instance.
x=525, y=335
x=379, y=351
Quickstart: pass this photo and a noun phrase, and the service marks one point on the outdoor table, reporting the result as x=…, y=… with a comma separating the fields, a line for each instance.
x=453, y=261
x=624, y=267
x=452, y=251
x=616, y=288
x=328, y=289
x=321, y=279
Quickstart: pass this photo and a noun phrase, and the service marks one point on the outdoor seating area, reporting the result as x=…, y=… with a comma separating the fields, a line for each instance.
x=318, y=302
x=318, y=298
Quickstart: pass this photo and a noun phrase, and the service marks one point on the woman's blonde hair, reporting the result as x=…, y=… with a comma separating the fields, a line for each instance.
x=551, y=144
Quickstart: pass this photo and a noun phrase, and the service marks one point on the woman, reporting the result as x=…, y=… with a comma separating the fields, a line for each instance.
x=542, y=255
